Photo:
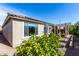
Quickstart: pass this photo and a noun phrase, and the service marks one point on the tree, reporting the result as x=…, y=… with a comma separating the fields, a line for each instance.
x=77, y=28
x=77, y=24
x=74, y=29
x=71, y=28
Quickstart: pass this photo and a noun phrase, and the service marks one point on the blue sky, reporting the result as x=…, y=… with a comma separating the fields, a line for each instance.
x=52, y=12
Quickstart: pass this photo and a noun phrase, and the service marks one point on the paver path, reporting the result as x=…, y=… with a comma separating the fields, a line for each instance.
x=5, y=47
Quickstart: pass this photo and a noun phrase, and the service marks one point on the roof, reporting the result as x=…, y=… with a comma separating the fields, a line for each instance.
x=22, y=18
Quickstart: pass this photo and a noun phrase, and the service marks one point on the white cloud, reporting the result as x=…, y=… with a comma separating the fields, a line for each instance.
x=6, y=9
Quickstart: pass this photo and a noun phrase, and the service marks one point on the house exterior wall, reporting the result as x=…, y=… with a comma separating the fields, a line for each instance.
x=7, y=31
x=14, y=32
x=40, y=29
x=49, y=29
x=18, y=32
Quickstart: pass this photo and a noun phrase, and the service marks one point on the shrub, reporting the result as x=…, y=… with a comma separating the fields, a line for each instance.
x=40, y=46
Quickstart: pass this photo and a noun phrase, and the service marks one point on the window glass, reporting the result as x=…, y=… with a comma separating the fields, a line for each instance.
x=30, y=28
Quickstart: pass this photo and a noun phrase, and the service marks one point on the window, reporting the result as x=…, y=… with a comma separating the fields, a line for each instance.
x=30, y=28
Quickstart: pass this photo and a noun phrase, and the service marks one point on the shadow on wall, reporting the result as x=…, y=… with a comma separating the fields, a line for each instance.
x=3, y=40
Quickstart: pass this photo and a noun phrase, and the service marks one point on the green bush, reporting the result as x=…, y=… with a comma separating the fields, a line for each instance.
x=40, y=46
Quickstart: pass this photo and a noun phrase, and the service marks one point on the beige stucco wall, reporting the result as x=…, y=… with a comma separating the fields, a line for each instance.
x=18, y=32
x=49, y=30
x=14, y=32
x=40, y=29
x=7, y=31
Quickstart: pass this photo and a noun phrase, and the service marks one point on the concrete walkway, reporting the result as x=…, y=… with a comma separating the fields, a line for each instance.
x=5, y=47
x=72, y=52
x=68, y=51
